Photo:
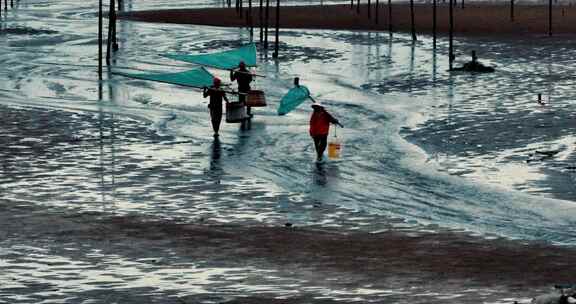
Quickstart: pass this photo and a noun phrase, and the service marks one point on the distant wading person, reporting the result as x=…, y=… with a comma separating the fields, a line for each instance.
x=475, y=66
x=297, y=84
x=243, y=77
x=320, y=127
x=216, y=95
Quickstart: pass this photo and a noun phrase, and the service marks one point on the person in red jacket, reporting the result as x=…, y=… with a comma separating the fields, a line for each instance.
x=319, y=128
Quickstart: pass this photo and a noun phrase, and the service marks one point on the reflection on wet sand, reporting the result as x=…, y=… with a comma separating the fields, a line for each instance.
x=175, y=208
x=215, y=170
x=325, y=174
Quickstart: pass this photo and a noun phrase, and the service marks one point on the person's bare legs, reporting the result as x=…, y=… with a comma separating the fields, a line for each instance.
x=320, y=143
x=216, y=117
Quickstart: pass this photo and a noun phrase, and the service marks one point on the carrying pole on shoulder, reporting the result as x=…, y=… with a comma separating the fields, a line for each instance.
x=243, y=72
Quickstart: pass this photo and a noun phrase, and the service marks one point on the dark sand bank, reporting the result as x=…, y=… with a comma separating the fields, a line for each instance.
x=474, y=19
x=421, y=263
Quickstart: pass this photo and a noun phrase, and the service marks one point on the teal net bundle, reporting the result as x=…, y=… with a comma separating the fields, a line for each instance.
x=225, y=60
x=293, y=99
x=196, y=78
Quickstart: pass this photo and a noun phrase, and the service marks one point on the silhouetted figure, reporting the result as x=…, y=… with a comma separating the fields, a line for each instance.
x=540, y=100
x=215, y=170
x=243, y=77
x=567, y=295
x=475, y=66
x=216, y=95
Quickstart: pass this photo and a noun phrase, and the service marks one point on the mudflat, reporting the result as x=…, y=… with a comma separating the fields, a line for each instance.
x=379, y=262
x=473, y=19
x=342, y=263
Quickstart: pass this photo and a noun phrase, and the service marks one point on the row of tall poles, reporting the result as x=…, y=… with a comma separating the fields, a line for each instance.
x=6, y=4
x=263, y=18
x=263, y=15
x=452, y=3
x=434, y=14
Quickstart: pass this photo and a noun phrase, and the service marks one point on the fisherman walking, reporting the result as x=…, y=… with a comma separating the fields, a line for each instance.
x=243, y=77
x=216, y=95
x=320, y=127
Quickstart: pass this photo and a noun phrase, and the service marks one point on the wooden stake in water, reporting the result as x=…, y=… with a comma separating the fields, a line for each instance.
x=109, y=39
x=99, y=39
x=115, y=46
x=434, y=4
x=351, y=4
x=369, y=9
x=412, y=20
x=111, y=44
x=377, y=12
x=390, y=17
x=540, y=98
x=249, y=20
x=266, y=24
x=115, y=21
x=358, y=7
x=261, y=21
x=275, y=54
x=451, y=37
x=549, y=17
x=512, y=10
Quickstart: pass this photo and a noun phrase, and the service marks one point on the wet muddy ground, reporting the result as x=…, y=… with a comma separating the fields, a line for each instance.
x=109, y=200
x=93, y=254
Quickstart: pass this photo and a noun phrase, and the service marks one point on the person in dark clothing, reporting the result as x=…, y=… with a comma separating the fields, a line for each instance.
x=243, y=77
x=475, y=66
x=216, y=95
x=320, y=127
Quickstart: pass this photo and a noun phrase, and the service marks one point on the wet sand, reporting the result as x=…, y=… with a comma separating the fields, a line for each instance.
x=348, y=260
x=379, y=262
x=445, y=264
x=474, y=19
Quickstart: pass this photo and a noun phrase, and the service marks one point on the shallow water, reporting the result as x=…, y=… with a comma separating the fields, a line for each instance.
x=115, y=149
x=477, y=126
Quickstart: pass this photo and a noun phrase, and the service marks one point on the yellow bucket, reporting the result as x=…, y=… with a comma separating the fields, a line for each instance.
x=334, y=148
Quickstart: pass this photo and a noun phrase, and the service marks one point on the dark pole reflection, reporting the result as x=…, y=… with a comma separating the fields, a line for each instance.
x=434, y=67
x=101, y=145
x=325, y=174
x=449, y=125
x=411, y=66
x=106, y=142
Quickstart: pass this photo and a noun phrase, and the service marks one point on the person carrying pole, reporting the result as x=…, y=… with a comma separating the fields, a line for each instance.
x=320, y=127
x=243, y=77
x=215, y=106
